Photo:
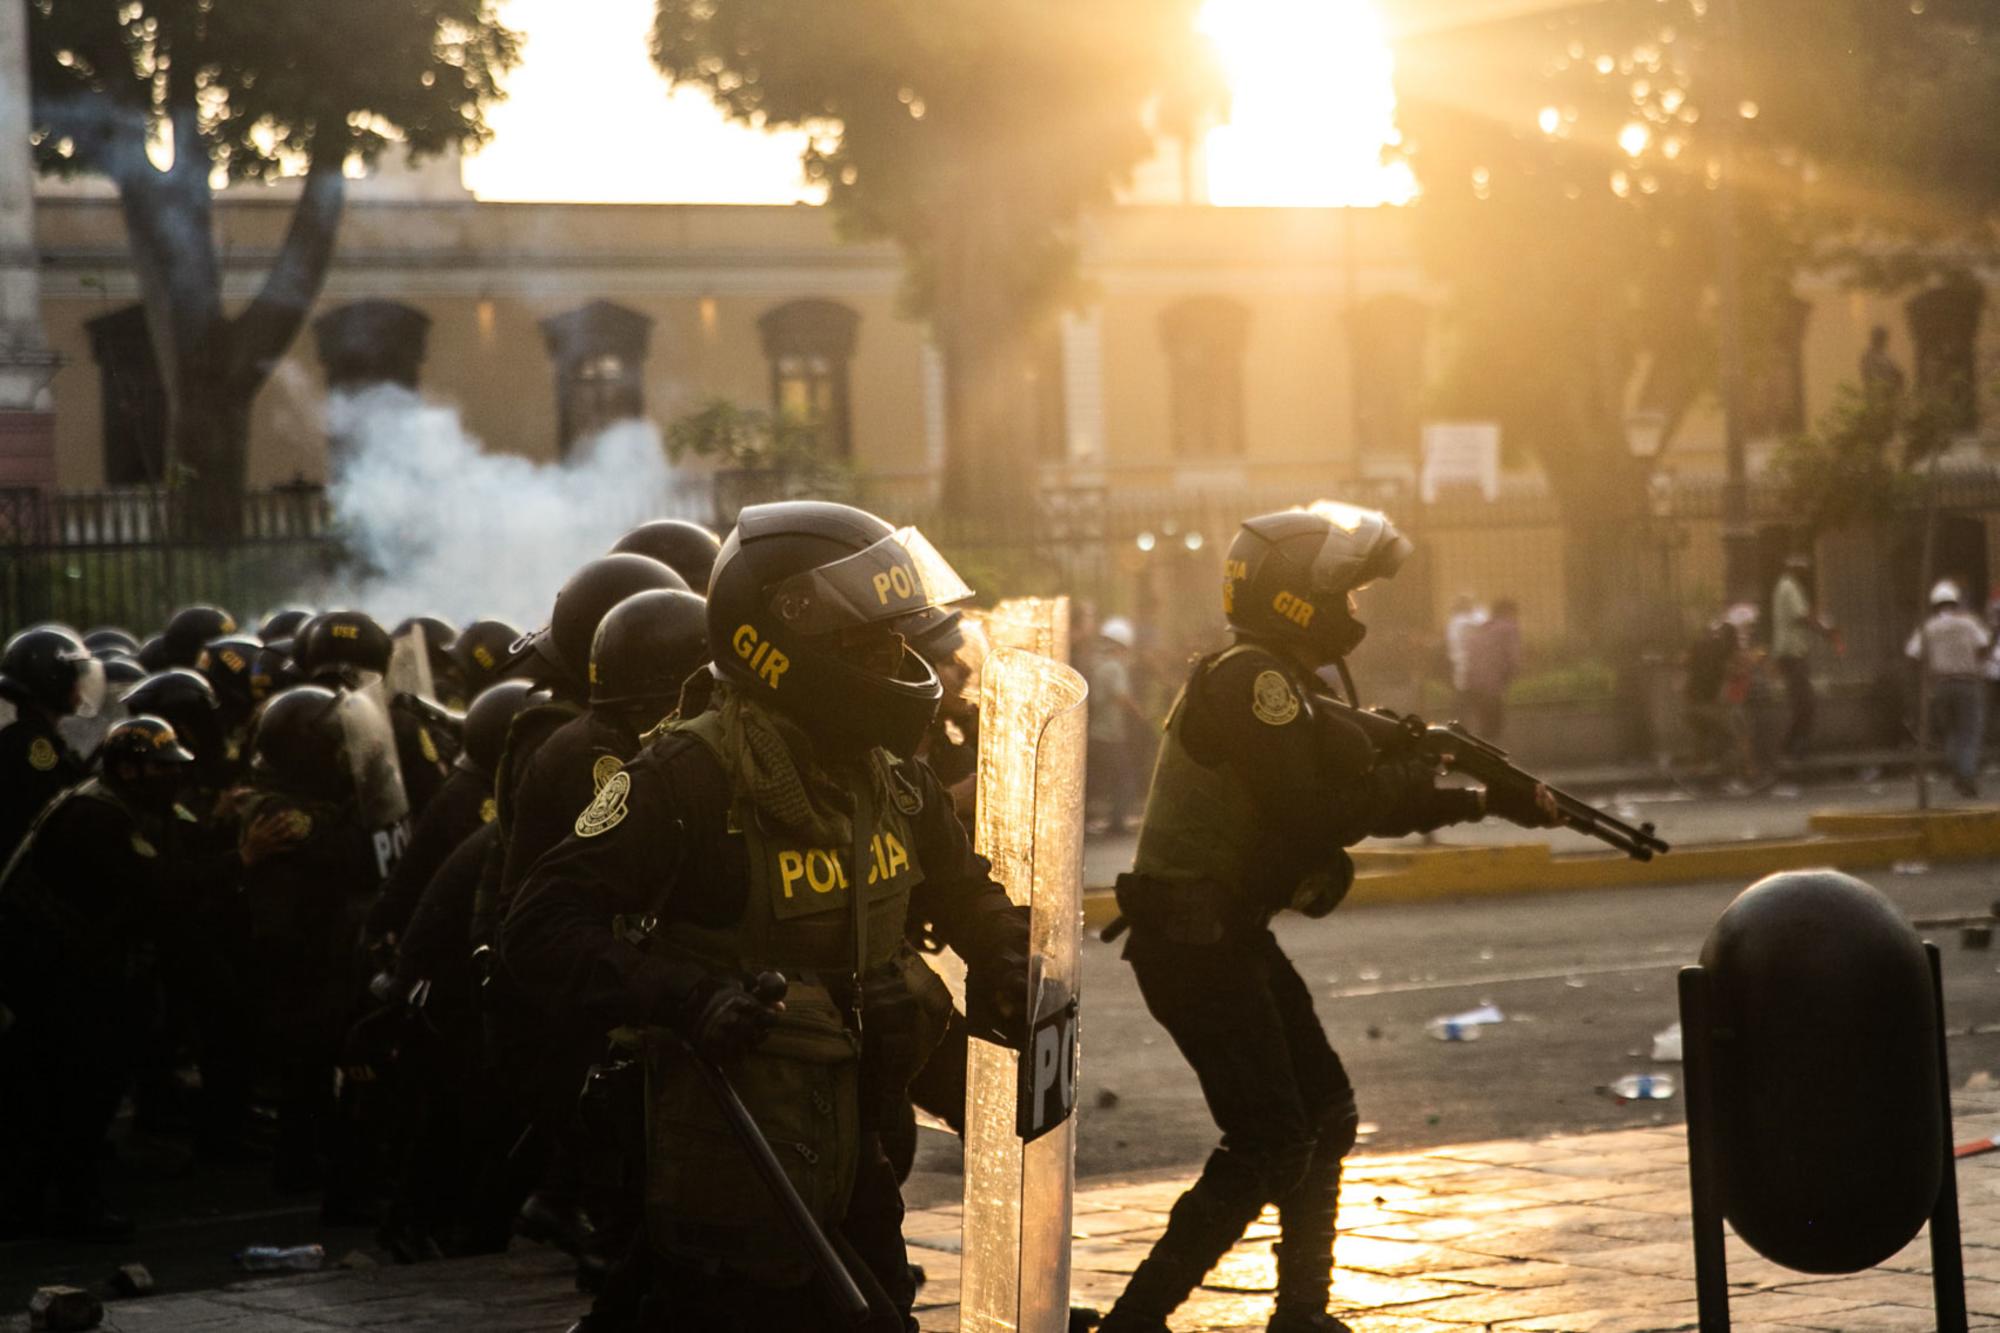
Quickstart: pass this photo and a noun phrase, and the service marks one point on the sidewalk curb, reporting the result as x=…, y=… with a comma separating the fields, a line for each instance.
x=1845, y=840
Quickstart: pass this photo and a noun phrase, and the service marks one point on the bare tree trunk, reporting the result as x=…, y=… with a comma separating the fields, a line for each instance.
x=989, y=414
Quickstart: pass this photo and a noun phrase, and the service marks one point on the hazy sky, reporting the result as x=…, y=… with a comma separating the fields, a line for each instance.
x=1312, y=106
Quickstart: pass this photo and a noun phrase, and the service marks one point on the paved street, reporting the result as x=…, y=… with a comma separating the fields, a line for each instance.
x=1584, y=979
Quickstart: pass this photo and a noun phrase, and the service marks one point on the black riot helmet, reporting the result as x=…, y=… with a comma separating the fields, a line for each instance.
x=688, y=549
x=486, y=724
x=50, y=665
x=339, y=643
x=646, y=646
x=110, y=639
x=1288, y=576
x=301, y=742
x=447, y=682
x=187, y=701
x=152, y=654
x=143, y=761
x=283, y=624
x=564, y=643
x=804, y=610
x=190, y=630
x=271, y=671
x=121, y=673
x=230, y=666
x=482, y=651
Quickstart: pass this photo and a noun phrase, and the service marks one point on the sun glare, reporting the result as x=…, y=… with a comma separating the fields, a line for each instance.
x=1312, y=105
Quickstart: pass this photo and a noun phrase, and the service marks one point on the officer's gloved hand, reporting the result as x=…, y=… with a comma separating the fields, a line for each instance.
x=724, y=1018
x=1322, y=891
x=1530, y=807
x=996, y=997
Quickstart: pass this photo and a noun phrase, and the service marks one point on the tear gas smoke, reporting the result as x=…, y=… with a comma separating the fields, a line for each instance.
x=436, y=525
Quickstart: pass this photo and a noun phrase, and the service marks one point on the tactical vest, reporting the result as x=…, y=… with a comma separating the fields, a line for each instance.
x=1200, y=826
x=803, y=1083
x=30, y=900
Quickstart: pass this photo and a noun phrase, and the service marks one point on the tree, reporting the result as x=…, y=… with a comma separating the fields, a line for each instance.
x=171, y=98
x=973, y=135
x=1570, y=161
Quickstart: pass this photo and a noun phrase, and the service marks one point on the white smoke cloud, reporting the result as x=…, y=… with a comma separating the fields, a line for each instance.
x=439, y=526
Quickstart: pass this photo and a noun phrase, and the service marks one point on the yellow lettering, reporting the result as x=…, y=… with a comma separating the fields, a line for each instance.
x=898, y=857
x=1235, y=569
x=790, y=867
x=823, y=871
x=744, y=640
x=1295, y=609
x=897, y=580
x=345, y=631
x=882, y=589
x=774, y=667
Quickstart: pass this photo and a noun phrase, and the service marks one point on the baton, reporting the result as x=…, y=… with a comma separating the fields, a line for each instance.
x=847, y=1294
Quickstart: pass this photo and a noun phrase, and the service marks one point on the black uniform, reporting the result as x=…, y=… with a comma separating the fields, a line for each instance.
x=78, y=902
x=460, y=808
x=555, y=782
x=1259, y=789
x=35, y=763
x=683, y=862
x=424, y=753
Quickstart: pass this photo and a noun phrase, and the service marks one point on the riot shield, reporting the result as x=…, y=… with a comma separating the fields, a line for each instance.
x=371, y=755
x=410, y=666
x=1037, y=624
x=1020, y=1133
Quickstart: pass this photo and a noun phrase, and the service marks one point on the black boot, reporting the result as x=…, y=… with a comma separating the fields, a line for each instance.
x=1204, y=1223
x=1306, y=1220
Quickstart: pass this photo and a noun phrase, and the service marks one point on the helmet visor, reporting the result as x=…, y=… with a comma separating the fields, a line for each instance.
x=1362, y=545
x=898, y=576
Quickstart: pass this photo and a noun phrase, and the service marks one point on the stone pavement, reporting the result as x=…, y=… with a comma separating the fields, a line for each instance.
x=1576, y=1234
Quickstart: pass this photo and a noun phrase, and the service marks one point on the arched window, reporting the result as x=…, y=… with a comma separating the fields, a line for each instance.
x=1944, y=325
x=1205, y=337
x=133, y=398
x=809, y=344
x=599, y=352
x=371, y=342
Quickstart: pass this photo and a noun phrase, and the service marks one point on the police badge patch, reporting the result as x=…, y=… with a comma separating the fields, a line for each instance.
x=601, y=771
x=606, y=812
x=1272, y=699
x=41, y=755
x=489, y=810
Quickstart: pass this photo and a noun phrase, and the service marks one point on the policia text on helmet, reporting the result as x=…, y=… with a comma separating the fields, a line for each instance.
x=804, y=610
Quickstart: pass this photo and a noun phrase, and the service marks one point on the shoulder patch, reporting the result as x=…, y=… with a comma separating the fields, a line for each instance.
x=1273, y=699
x=41, y=755
x=601, y=771
x=489, y=810
x=608, y=810
x=427, y=745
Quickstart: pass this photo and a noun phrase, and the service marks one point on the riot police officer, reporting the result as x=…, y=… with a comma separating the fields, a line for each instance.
x=46, y=674
x=324, y=763
x=687, y=548
x=87, y=887
x=783, y=829
x=463, y=805
x=1258, y=789
x=282, y=624
x=230, y=666
x=349, y=650
x=481, y=653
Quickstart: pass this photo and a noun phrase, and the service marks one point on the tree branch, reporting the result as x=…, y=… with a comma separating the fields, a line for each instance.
x=260, y=335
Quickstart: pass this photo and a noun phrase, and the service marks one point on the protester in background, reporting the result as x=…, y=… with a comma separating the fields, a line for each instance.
x=1467, y=615
x=1492, y=660
x=1952, y=646
x=1115, y=722
x=1793, y=623
x=1720, y=671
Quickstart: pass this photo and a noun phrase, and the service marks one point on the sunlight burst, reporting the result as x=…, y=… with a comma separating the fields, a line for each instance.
x=1312, y=105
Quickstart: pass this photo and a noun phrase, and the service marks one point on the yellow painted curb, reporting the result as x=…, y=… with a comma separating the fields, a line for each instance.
x=1847, y=840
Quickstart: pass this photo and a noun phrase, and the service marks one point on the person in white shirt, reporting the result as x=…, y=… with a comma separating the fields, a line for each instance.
x=1953, y=645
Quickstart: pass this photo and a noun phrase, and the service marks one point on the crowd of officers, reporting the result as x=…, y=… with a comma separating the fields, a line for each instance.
x=451, y=921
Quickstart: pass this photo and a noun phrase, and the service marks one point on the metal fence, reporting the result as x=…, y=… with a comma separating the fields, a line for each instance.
x=130, y=557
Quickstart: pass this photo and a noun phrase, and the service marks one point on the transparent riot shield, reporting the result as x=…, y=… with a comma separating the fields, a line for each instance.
x=371, y=754
x=410, y=666
x=1037, y=624
x=1020, y=1130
